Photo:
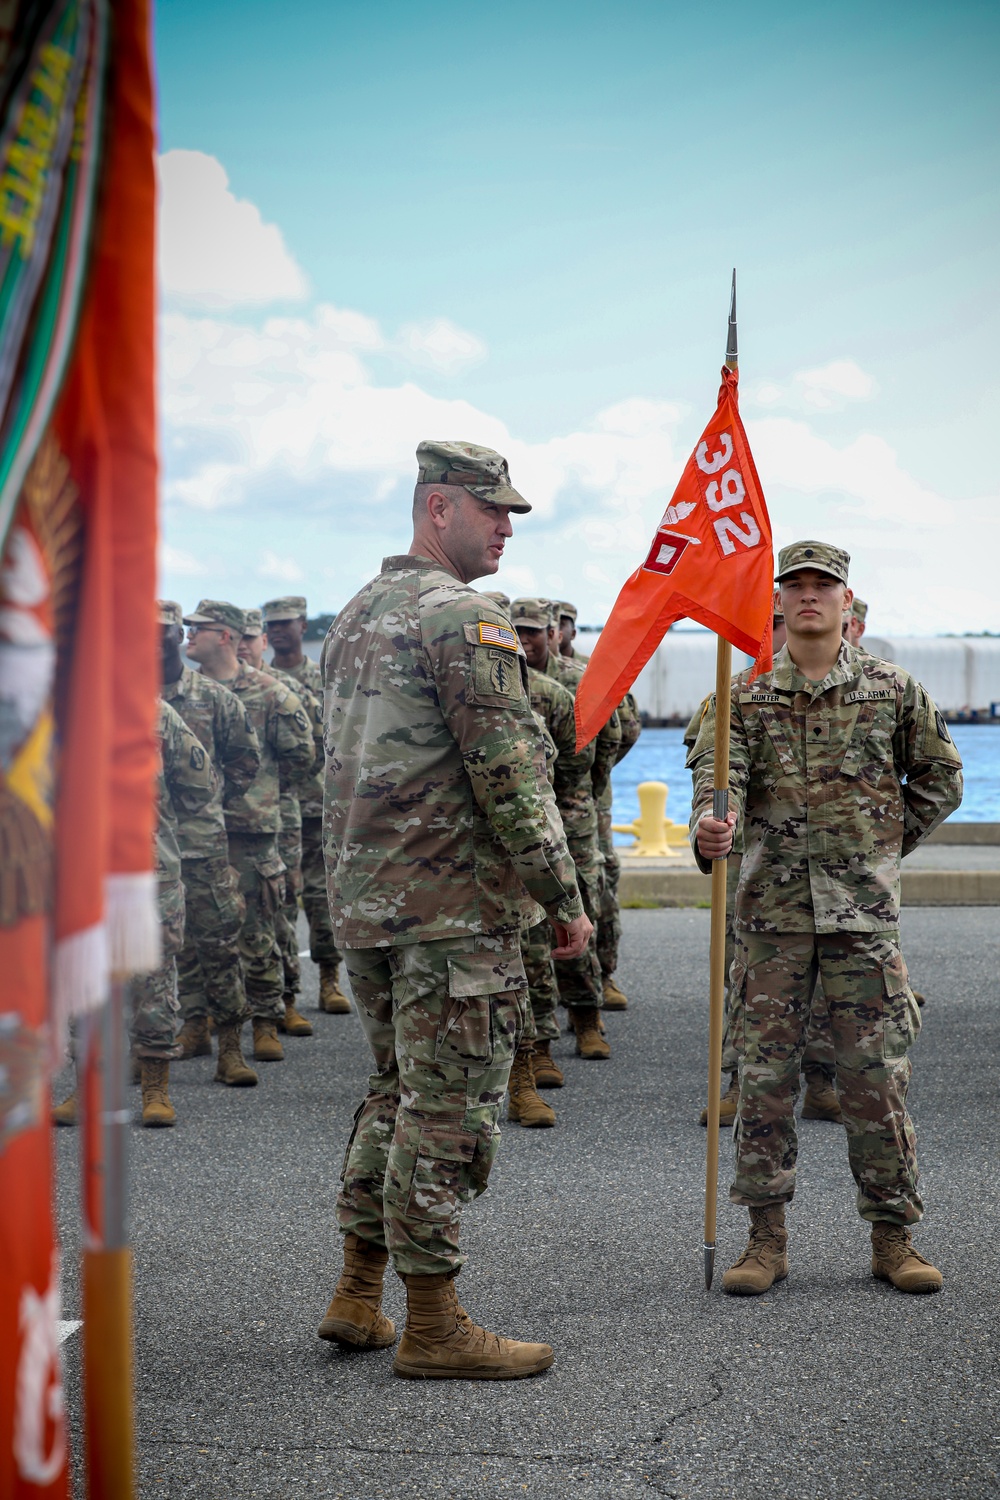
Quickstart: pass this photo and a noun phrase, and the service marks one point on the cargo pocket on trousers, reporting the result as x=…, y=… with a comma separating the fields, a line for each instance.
x=466, y=1037
x=429, y=1170
x=900, y=1012
x=271, y=874
x=737, y=997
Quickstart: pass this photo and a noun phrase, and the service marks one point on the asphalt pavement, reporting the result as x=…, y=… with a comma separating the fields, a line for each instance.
x=830, y=1387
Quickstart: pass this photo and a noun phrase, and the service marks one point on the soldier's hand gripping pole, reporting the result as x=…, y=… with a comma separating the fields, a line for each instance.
x=717, y=950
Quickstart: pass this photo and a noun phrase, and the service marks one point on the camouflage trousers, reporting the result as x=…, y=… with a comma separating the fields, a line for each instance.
x=443, y=1020
x=874, y=1021
x=209, y=969
x=818, y=1062
x=156, y=1011
x=579, y=979
x=609, y=923
x=255, y=858
x=286, y=920
x=322, y=944
x=543, y=993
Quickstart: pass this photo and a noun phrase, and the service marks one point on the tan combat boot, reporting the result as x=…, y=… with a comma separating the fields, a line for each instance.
x=355, y=1315
x=156, y=1106
x=548, y=1074
x=293, y=1022
x=194, y=1040
x=266, y=1046
x=65, y=1113
x=894, y=1259
x=331, y=997
x=231, y=1068
x=590, y=1044
x=526, y=1106
x=821, y=1101
x=729, y=1104
x=441, y=1342
x=765, y=1259
x=614, y=998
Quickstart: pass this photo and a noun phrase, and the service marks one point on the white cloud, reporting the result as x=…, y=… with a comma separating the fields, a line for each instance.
x=176, y=560
x=440, y=345
x=215, y=249
x=827, y=388
x=284, y=569
x=287, y=457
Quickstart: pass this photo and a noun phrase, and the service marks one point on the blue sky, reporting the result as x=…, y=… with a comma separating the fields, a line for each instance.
x=516, y=223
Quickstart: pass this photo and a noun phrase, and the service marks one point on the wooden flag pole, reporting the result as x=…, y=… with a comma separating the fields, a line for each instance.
x=717, y=950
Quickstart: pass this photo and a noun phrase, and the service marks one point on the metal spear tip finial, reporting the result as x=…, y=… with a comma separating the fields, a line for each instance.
x=709, y=1266
x=731, y=347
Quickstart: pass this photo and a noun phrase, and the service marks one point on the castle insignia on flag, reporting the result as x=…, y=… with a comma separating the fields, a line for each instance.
x=497, y=635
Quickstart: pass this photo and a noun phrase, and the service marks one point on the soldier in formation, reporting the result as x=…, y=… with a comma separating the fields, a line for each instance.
x=186, y=786
x=840, y=765
x=455, y=847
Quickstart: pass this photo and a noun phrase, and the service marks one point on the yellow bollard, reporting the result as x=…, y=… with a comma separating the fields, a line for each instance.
x=653, y=831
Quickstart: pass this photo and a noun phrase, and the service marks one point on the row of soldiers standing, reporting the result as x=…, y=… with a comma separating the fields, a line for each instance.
x=239, y=838
x=240, y=842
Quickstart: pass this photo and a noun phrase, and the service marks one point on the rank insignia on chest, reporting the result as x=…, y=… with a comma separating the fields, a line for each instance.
x=497, y=635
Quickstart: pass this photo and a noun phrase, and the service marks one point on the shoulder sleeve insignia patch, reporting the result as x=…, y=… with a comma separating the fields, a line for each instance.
x=497, y=635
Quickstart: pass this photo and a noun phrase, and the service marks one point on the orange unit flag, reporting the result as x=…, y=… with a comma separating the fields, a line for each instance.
x=711, y=560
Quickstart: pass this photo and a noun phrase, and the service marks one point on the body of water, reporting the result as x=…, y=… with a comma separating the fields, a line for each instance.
x=659, y=756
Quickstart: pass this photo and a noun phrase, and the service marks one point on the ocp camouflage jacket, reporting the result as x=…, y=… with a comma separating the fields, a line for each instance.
x=836, y=781
x=438, y=818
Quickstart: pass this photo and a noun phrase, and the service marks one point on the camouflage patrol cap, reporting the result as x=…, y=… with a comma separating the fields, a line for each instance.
x=253, y=622
x=481, y=471
x=565, y=610
x=170, y=612
x=217, y=612
x=498, y=598
x=291, y=607
x=820, y=556
x=533, y=614
x=859, y=609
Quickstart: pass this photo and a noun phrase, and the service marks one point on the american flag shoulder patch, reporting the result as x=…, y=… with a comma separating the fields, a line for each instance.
x=497, y=635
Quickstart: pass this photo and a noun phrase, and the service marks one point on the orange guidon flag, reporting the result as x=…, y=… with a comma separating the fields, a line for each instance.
x=710, y=560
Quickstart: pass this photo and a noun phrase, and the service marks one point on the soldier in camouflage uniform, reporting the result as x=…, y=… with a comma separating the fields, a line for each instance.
x=579, y=980
x=569, y=772
x=442, y=844
x=819, y=1064
x=285, y=620
x=498, y=598
x=566, y=616
x=209, y=968
x=609, y=927
x=186, y=786
x=253, y=819
x=840, y=764
x=251, y=651
x=854, y=621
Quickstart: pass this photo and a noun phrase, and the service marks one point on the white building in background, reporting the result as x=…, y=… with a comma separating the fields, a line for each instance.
x=962, y=674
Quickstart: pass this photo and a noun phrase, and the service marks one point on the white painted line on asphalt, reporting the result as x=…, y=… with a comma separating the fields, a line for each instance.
x=67, y=1326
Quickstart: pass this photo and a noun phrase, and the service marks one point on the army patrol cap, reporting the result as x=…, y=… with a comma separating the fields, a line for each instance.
x=481, y=471
x=821, y=556
x=497, y=598
x=218, y=612
x=565, y=610
x=170, y=612
x=533, y=614
x=291, y=607
x=859, y=609
x=253, y=622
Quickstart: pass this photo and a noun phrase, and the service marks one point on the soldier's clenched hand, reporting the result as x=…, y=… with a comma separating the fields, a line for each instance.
x=572, y=937
x=715, y=837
